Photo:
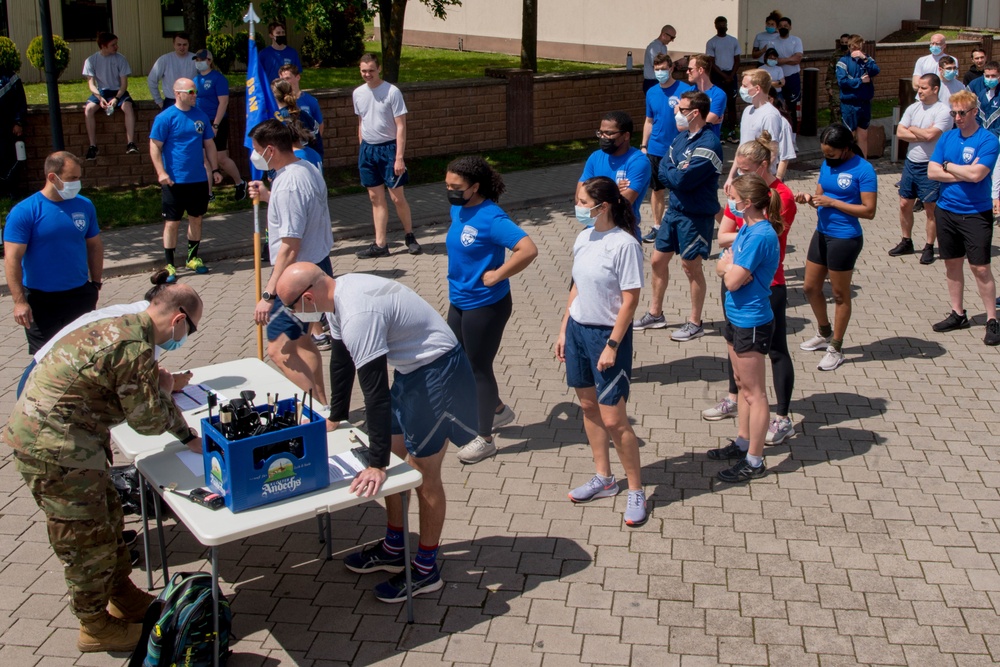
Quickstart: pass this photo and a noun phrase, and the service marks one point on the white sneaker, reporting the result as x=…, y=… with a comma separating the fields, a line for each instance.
x=724, y=408
x=817, y=342
x=504, y=417
x=831, y=360
x=477, y=450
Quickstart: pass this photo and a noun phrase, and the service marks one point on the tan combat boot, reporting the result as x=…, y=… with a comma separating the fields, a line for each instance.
x=129, y=602
x=103, y=632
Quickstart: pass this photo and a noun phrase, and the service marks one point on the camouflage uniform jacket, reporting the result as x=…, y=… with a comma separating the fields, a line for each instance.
x=94, y=378
x=833, y=87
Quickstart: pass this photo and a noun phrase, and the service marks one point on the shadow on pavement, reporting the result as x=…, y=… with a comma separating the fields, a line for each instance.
x=898, y=348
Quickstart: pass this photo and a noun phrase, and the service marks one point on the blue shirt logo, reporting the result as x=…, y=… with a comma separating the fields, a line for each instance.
x=80, y=221
x=469, y=234
x=968, y=153
x=199, y=127
x=844, y=180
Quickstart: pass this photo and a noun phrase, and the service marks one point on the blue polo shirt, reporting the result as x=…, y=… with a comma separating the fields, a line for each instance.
x=844, y=183
x=477, y=241
x=755, y=249
x=210, y=87
x=633, y=165
x=660, y=104
x=967, y=198
x=56, y=234
x=183, y=134
x=717, y=97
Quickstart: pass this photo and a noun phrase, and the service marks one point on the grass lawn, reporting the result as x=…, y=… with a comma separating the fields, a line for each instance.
x=418, y=64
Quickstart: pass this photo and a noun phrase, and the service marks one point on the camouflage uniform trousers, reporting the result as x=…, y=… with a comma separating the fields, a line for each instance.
x=84, y=518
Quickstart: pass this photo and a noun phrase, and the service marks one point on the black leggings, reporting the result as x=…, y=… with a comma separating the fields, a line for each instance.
x=781, y=361
x=479, y=331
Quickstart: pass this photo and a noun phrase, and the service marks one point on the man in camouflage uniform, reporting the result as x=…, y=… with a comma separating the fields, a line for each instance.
x=832, y=87
x=96, y=377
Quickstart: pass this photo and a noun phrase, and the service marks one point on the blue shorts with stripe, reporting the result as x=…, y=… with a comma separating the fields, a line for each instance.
x=435, y=403
x=584, y=345
x=376, y=162
x=689, y=236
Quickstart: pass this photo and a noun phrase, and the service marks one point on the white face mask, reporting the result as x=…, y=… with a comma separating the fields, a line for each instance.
x=201, y=65
x=70, y=189
x=259, y=161
x=681, y=120
x=308, y=317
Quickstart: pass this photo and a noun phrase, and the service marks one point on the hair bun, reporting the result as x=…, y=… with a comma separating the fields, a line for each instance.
x=159, y=277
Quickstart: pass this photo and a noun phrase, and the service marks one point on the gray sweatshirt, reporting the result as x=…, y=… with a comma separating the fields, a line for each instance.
x=168, y=68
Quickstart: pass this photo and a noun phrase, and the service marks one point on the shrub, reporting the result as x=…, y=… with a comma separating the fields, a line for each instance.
x=36, y=55
x=10, y=57
x=334, y=38
x=223, y=48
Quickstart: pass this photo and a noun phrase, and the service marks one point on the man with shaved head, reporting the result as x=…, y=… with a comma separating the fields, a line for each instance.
x=375, y=323
x=99, y=375
x=930, y=64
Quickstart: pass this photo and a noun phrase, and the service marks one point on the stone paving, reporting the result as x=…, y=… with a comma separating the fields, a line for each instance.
x=873, y=540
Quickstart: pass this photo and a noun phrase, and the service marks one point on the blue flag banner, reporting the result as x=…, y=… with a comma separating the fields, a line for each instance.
x=260, y=101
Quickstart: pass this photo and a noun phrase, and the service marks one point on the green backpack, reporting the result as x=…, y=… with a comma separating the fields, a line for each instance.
x=177, y=630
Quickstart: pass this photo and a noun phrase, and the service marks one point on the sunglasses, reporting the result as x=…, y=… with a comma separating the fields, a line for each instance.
x=191, y=327
x=291, y=304
x=190, y=91
x=960, y=112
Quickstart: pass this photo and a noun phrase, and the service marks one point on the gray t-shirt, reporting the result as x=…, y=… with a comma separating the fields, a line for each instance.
x=168, y=68
x=375, y=316
x=107, y=71
x=378, y=108
x=925, y=116
x=604, y=265
x=299, y=208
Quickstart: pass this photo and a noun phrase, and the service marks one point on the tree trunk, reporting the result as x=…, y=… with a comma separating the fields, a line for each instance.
x=390, y=15
x=195, y=23
x=529, y=35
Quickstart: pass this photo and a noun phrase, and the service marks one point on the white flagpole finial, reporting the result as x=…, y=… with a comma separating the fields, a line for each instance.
x=251, y=16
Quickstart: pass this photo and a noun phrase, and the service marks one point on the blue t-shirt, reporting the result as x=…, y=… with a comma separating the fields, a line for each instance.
x=309, y=155
x=210, y=87
x=717, y=96
x=305, y=118
x=183, y=134
x=271, y=60
x=660, y=103
x=56, y=234
x=477, y=241
x=633, y=165
x=844, y=183
x=967, y=198
x=756, y=249
x=310, y=105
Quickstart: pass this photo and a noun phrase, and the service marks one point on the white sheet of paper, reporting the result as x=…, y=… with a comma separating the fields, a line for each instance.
x=194, y=462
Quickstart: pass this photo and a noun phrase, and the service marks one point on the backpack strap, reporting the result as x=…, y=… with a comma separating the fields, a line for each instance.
x=148, y=621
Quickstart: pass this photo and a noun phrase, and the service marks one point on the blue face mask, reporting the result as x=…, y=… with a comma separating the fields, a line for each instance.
x=174, y=344
x=771, y=62
x=662, y=75
x=732, y=209
x=950, y=74
x=583, y=215
x=771, y=29
x=936, y=50
x=990, y=83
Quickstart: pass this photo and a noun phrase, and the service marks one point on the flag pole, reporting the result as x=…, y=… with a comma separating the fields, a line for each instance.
x=251, y=18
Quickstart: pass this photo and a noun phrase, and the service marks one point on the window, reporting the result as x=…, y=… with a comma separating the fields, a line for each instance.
x=172, y=12
x=4, y=30
x=83, y=19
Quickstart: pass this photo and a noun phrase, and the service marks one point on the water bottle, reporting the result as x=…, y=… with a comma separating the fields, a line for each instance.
x=21, y=151
x=111, y=107
x=628, y=61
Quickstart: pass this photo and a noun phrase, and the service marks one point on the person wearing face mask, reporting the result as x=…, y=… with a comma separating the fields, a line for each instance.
x=855, y=72
x=53, y=253
x=846, y=192
x=929, y=64
x=950, y=83
x=273, y=57
x=595, y=338
x=759, y=115
x=747, y=269
x=773, y=69
x=479, y=286
x=618, y=160
x=658, y=132
x=96, y=377
x=768, y=37
x=989, y=97
x=298, y=230
x=213, y=100
x=755, y=158
x=690, y=170
x=832, y=89
x=790, y=51
x=725, y=50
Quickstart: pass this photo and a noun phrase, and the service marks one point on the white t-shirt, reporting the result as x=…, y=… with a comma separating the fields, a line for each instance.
x=925, y=116
x=927, y=64
x=299, y=208
x=787, y=48
x=604, y=264
x=107, y=70
x=763, y=41
x=949, y=88
x=786, y=144
x=755, y=120
x=655, y=47
x=375, y=316
x=378, y=107
x=776, y=73
x=93, y=316
x=724, y=50
x=996, y=182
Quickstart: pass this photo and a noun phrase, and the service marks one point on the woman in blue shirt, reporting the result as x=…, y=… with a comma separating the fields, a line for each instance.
x=478, y=285
x=847, y=190
x=747, y=269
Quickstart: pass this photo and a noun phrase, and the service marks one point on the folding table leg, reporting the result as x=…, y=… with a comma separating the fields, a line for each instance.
x=162, y=540
x=406, y=558
x=319, y=527
x=329, y=537
x=145, y=529
x=215, y=604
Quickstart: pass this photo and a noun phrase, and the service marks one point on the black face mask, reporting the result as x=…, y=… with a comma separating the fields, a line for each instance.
x=281, y=40
x=607, y=145
x=722, y=31
x=833, y=163
x=843, y=47
x=783, y=32
x=457, y=197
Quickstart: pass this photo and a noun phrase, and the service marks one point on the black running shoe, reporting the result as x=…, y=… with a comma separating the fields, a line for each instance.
x=904, y=247
x=129, y=537
x=374, y=559
x=131, y=148
x=92, y=153
x=373, y=251
x=927, y=256
x=240, y=193
x=952, y=322
x=743, y=472
x=410, y=241
x=730, y=451
x=992, y=336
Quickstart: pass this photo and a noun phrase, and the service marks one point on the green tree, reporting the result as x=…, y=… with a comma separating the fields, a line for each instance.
x=390, y=15
x=529, y=35
x=36, y=54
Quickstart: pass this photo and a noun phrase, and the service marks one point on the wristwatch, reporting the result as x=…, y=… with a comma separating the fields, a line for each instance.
x=267, y=296
x=613, y=344
x=944, y=165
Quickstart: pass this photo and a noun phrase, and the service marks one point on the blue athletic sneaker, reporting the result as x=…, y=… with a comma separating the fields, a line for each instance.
x=594, y=489
x=394, y=590
x=635, y=510
x=373, y=559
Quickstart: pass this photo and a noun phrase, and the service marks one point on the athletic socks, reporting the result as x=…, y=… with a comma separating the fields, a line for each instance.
x=393, y=544
x=193, y=247
x=742, y=443
x=755, y=461
x=826, y=331
x=836, y=344
x=425, y=559
x=168, y=253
